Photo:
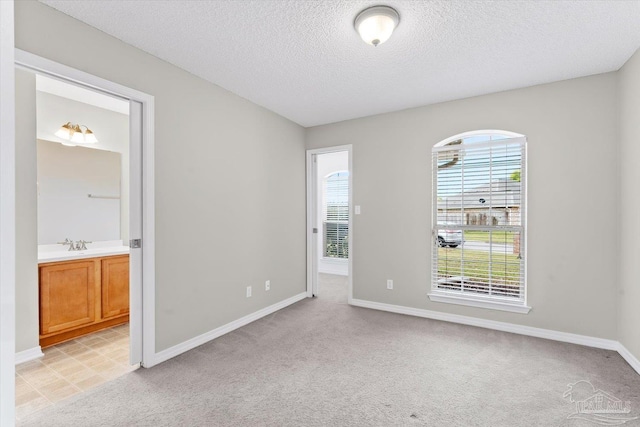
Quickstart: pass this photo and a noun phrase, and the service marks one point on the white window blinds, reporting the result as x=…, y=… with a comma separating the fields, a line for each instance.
x=479, y=211
x=336, y=216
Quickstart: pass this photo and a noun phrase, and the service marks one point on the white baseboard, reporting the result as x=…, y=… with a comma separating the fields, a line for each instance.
x=492, y=324
x=28, y=355
x=429, y=314
x=225, y=329
x=630, y=358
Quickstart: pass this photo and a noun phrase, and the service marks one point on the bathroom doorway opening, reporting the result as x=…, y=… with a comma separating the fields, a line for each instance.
x=329, y=224
x=83, y=226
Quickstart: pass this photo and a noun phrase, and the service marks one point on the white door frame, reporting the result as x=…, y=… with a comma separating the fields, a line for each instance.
x=141, y=121
x=7, y=217
x=312, y=197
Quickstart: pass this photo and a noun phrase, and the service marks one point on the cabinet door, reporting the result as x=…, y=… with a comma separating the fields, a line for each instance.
x=115, y=286
x=67, y=295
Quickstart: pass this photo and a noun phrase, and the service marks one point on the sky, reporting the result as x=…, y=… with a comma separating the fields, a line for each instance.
x=479, y=166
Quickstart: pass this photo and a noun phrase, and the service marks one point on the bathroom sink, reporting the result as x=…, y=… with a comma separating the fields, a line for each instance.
x=52, y=253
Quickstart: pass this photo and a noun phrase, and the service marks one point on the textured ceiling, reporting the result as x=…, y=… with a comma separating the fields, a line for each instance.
x=303, y=59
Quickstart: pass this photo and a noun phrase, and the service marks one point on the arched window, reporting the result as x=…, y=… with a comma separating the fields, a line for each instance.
x=335, y=212
x=479, y=201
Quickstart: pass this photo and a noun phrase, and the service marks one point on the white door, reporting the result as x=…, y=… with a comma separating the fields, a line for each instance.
x=135, y=232
x=312, y=227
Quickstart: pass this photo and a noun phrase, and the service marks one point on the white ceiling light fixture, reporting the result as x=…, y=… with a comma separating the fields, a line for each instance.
x=75, y=135
x=376, y=24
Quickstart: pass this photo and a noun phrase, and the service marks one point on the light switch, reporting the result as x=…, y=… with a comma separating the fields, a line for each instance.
x=357, y=209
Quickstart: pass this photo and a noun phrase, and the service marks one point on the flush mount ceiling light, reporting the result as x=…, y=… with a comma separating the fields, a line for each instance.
x=376, y=24
x=75, y=135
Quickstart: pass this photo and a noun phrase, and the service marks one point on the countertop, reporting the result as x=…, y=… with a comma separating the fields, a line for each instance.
x=54, y=253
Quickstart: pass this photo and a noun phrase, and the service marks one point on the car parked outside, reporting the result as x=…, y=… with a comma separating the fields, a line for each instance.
x=448, y=237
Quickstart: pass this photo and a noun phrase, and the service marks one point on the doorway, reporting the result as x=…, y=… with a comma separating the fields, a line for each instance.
x=75, y=213
x=329, y=223
x=124, y=208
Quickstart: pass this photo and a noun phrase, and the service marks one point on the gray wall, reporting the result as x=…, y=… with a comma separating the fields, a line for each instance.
x=27, y=313
x=572, y=263
x=220, y=194
x=230, y=181
x=629, y=296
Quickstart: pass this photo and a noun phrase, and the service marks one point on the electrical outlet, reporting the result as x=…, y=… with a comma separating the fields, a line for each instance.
x=267, y=285
x=357, y=209
x=389, y=284
x=248, y=291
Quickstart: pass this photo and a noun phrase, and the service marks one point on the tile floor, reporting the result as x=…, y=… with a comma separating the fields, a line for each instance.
x=71, y=368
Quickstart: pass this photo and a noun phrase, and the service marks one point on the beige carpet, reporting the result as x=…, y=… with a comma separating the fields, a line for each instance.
x=321, y=362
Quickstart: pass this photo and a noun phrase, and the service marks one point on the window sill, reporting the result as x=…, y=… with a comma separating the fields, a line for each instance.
x=478, y=302
x=335, y=260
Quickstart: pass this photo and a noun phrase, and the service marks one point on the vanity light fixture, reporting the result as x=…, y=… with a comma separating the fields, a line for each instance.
x=75, y=135
x=376, y=24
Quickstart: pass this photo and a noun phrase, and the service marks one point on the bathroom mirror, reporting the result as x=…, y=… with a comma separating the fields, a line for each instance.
x=79, y=191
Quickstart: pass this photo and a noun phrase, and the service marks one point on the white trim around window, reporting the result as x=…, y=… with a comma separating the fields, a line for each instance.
x=478, y=301
x=479, y=221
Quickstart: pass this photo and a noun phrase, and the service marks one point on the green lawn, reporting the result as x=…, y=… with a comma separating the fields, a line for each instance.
x=483, y=236
x=505, y=268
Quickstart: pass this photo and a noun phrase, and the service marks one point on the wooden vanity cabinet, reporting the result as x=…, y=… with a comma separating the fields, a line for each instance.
x=67, y=296
x=115, y=286
x=82, y=296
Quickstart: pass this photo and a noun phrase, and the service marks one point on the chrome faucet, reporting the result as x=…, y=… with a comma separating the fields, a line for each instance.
x=81, y=245
x=69, y=242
